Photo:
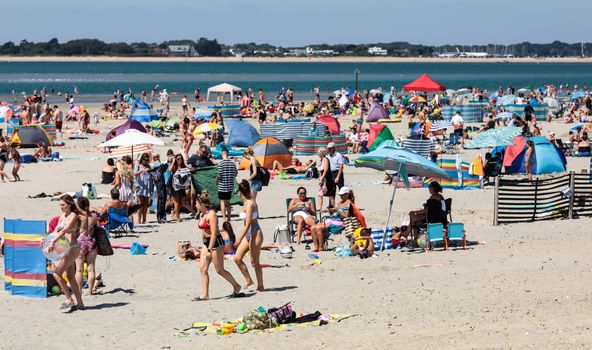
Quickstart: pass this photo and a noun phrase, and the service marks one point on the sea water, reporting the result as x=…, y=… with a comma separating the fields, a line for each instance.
x=98, y=80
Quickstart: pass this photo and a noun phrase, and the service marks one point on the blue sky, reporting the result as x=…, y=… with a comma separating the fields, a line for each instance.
x=300, y=22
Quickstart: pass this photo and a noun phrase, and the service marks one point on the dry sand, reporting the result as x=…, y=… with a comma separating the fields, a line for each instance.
x=526, y=286
x=294, y=59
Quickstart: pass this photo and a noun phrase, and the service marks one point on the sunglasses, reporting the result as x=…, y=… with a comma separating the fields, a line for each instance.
x=302, y=193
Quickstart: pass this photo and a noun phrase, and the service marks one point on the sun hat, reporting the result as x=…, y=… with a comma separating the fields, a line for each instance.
x=331, y=145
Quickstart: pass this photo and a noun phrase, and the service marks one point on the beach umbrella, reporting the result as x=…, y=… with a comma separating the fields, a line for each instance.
x=578, y=94
x=462, y=91
x=402, y=161
x=494, y=137
x=143, y=114
x=125, y=150
x=577, y=127
x=131, y=138
x=206, y=127
x=417, y=99
x=440, y=125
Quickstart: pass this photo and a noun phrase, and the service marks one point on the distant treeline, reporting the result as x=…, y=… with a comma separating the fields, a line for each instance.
x=207, y=47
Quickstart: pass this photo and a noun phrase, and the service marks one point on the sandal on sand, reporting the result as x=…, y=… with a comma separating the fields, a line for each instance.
x=246, y=287
x=237, y=295
x=66, y=306
x=198, y=299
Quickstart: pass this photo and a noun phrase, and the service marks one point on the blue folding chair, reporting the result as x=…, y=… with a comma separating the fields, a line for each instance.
x=435, y=234
x=119, y=223
x=456, y=232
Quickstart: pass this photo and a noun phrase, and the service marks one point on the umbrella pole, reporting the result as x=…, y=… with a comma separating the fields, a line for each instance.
x=388, y=216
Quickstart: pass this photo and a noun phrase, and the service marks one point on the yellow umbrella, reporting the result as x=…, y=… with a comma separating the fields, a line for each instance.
x=206, y=127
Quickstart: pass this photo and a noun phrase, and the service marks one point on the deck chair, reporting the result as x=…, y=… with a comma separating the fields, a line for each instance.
x=456, y=232
x=453, y=143
x=119, y=223
x=292, y=227
x=566, y=149
x=435, y=234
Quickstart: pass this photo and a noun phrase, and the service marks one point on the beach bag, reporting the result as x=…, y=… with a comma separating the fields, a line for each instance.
x=89, y=191
x=282, y=314
x=182, y=179
x=312, y=173
x=351, y=224
x=358, y=214
x=104, y=247
x=182, y=246
x=264, y=175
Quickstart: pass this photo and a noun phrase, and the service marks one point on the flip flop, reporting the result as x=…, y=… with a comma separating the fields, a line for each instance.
x=66, y=306
x=237, y=295
x=198, y=299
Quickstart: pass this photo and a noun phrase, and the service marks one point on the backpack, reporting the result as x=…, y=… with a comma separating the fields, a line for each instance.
x=264, y=175
x=312, y=173
x=182, y=179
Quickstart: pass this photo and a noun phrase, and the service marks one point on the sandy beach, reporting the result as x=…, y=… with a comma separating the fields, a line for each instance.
x=340, y=59
x=523, y=286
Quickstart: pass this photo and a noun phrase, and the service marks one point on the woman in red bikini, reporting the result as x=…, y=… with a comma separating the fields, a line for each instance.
x=213, y=248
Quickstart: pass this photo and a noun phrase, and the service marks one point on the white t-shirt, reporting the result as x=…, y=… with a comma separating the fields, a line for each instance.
x=457, y=121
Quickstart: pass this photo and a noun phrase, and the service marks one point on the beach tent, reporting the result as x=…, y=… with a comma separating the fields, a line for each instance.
x=378, y=134
x=205, y=178
x=424, y=83
x=30, y=136
x=143, y=114
x=376, y=112
x=224, y=88
x=25, y=266
x=331, y=123
x=547, y=157
x=241, y=133
x=129, y=124
x=309, y=145
x=458, y=173
x=139, y=103
x=267, y=151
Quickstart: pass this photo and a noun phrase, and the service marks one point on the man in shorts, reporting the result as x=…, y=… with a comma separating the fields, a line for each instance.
x=227, y=173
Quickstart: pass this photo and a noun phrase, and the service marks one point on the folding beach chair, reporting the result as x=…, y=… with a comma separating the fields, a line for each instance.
x=119, y=223
x=456, y=232
x=566, y=149
x=435, y=234
x=292, y=225
x=453, y=143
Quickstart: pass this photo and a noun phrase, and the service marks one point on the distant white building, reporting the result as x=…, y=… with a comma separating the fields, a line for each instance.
x=311, y=52
x=182, y=51
x=376, y=50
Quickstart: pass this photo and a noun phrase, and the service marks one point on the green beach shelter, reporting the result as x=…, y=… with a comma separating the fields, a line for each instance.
x=378, y=134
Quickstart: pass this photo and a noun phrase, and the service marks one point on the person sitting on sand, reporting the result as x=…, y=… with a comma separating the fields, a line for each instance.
x=108, y=172
x=304, y=212
x=294, y=168
x=583, y=145
x=434, y=211
x=43, y=151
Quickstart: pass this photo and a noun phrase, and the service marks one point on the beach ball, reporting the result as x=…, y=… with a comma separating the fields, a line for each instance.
x=55, y=290
x=60, y=248
x=422, y=241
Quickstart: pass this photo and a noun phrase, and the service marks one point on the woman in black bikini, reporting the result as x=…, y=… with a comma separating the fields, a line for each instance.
x=213, y=248
x=3, y=158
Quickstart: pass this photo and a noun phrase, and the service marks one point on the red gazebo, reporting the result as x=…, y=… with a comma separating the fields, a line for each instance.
x=424, y=83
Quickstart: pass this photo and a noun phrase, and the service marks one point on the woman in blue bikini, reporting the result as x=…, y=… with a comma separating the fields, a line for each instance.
x=251, y=237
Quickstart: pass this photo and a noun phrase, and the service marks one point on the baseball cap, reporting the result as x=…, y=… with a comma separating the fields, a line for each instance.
x=331, y=145
x=344, y=190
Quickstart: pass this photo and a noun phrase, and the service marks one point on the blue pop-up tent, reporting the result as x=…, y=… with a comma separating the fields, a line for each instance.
x=241, y=133
x=547, y=157
x=143, y=114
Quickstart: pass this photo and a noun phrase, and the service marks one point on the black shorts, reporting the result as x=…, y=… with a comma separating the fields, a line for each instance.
x=224, y=196
x=291, y=171
x=219, y=242
x=341, y=181
x=458, y=132
x=179, y=193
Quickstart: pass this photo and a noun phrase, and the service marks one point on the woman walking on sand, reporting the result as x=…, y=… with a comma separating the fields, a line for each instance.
x=67, y=226
x=16, y=158
x=251, y=237
x=213, y=248
x=528, y=159
x=3, y=158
